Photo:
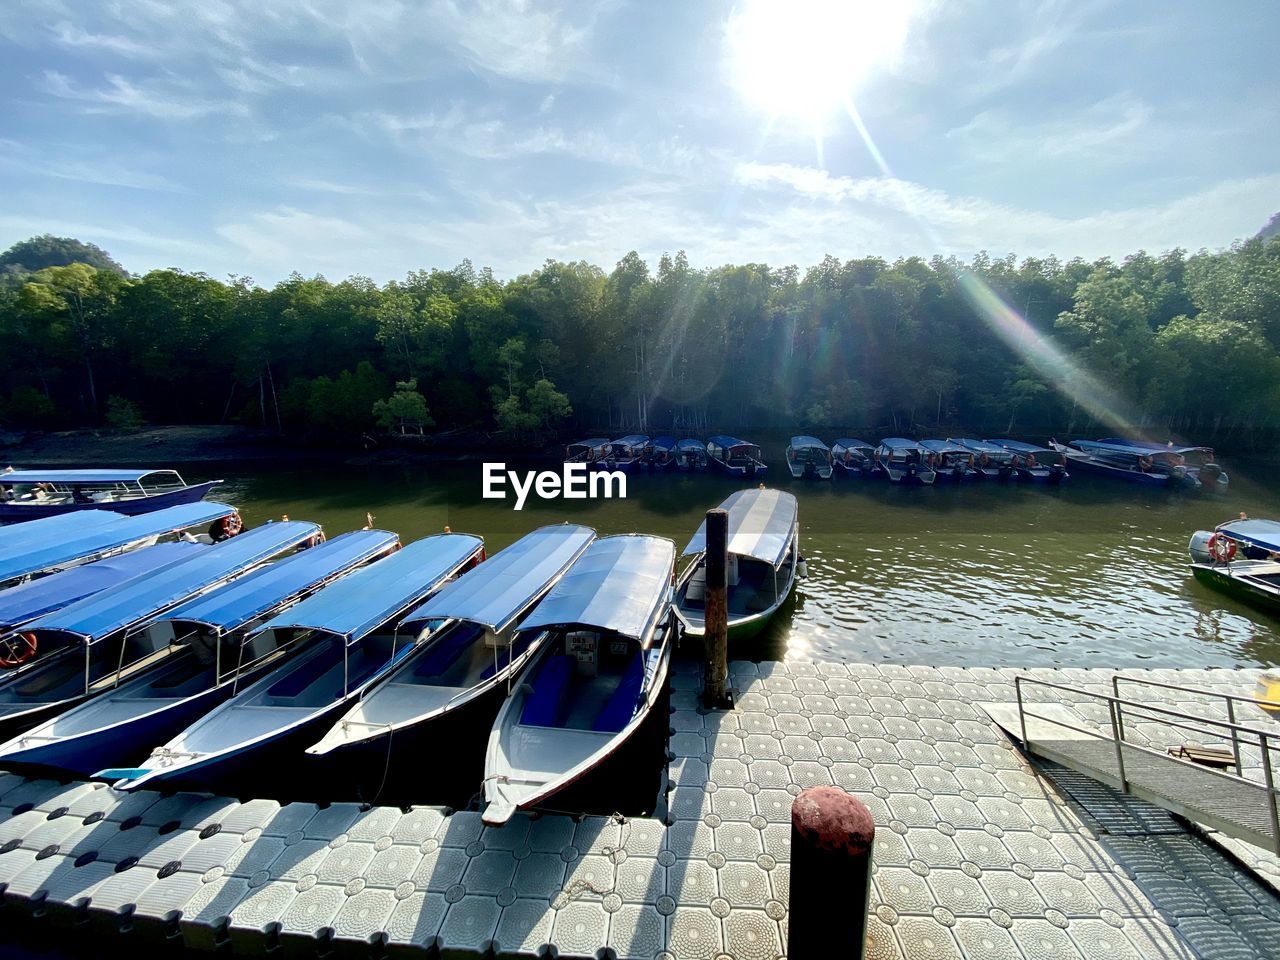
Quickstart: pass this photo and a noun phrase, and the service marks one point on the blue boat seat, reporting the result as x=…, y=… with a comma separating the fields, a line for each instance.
x=621, y=706
x=445, y=653
x=542, y=704
x=306, y=674
x=518, y=647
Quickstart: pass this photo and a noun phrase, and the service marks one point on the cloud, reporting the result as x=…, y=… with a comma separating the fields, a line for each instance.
x=1117, y=128
x=122, y=95
x=55, y=161
x=287, y=238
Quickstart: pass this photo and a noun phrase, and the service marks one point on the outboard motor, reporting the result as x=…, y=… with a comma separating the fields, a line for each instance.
x=1199, y=546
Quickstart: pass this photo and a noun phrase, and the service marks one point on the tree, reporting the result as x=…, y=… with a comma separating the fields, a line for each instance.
x=30, y=256
x=405, y=408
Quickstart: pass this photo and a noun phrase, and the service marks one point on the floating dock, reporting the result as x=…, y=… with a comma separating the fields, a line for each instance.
x=978, y=853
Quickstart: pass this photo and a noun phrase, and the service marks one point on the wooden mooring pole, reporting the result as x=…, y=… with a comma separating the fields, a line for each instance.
x=715, y=662
x=832, y=833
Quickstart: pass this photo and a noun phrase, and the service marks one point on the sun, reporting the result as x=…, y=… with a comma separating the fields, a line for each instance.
x=803, y=60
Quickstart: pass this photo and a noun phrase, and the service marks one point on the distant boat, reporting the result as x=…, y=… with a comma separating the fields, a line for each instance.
x=990, y=461
x=691, y=456
x=949, y=461
x=1035, y=463
x=122, y=723
x=853, y=458
x=99, y=642
x=763, y=557
x=32, y=494
x=660, y=453
x=738, y=458
x=589, y=691
x=1238, y=558
x=903, y=461
x=809, y=457
x=352, y=636
x=624, y=453
x=587, y=451
x=473, y=645
x=1148, y=464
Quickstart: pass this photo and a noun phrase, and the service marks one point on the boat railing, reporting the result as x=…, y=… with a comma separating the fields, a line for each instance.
x=1123, y=713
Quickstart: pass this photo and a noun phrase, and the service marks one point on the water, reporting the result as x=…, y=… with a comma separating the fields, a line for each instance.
x=1091, y=574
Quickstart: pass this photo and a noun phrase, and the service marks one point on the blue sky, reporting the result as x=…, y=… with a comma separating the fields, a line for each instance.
x=379, y=137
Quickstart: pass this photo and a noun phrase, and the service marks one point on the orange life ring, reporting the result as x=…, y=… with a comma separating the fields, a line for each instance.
x=232, y=525
x=17, y=649
x=1222, y=549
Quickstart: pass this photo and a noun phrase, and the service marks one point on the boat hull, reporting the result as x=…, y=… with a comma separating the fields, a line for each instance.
x=1166, y=481
x=1041, y=475
x=18, y=512
x=906, y=476
x=1237, y=587
x=755, y=470
x=851, y=470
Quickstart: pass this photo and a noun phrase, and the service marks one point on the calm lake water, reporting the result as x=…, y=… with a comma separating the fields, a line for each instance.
x=1091, y=574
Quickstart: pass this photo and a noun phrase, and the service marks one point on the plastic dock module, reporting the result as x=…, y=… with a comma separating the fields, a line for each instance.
x=977, y=853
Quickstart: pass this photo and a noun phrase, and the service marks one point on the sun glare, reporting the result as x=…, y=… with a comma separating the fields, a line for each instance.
x=804, y=59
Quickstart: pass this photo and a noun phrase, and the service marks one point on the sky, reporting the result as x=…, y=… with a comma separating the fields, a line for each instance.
x=376, y=137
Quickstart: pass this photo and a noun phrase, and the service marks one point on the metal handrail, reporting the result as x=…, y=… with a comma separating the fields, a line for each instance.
x=1118, y=678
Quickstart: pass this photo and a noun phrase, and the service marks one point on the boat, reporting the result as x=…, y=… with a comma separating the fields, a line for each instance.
x=1241, y=558
x=1035, y=463
x=624, y=453
x=738, y=458
x=660, y=453
x=351, y=632
x=32, y=494
x=99, y=642
x=587, y=451
x=903, y=461
x=949, y=461
x=1198, y=462
x=208, y=661
x=809, y=457
x=853, y=458
x=691, y=456
x=1149, y=465
x=62, y=547
x=472, y=646
x=588, y=692
x=763, y=556
x=990, y=461
x=19, y=536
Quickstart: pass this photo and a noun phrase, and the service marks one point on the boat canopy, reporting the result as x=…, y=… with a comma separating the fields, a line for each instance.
x=798, y=443
x=591, y=444
x=980, y=446
x=690, y=444
x=1264, y=534
x=1017, y=446
x=140, y=598
x=35, y=598
x=849, y=444
x=664, y=442
x=84, y=476
x=944, y=447
x=261, y=591
x=620, y=584
x=730, y=443
x=899, y=444
x=631, y=440
x=15, y=536
x=358, y=604
x=760, y=525
x=495, y=592
x=108, y=537
x=1142, y=446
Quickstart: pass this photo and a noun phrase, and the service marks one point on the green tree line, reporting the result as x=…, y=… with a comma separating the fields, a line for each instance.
x=1188, y=344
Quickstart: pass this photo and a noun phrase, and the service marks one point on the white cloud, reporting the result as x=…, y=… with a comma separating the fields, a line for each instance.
x=122, y=95
x=286, y=239
x=1118, y=127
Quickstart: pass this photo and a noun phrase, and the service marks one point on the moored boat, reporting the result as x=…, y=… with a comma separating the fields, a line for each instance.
x=1146, y=464
x=764, y=554
x=1241, y=558
x=809, y=457
x=32, y=494
x=853, y=458
x=900, y=460
x=738, y=458
x=623, y=454
x=587, y=451
x=691, y=456
x=660, y=453
x=589, y=691
x=474, y=643
x=949, y=461
x=351, y=634
x=1035, y=463
x=990, y=461
x=122, y=723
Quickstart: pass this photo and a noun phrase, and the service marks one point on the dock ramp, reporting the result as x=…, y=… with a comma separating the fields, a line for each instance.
x=1159, y=754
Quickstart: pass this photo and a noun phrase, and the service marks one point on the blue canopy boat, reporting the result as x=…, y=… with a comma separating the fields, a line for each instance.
x=624, y=453
x=949, y=461
x=1034, y=462
x=594, y=682
x=208, y=662
x=903, y=461
x=352, y=633
x=32, y=494
x=990, y=461
x=99, y=642
x=809, y=457
x=1239, y=558
x=67, y=548
x=691, y=456
x=853, y=458
x=587, y=451
x=473, y=643
x=17, y=536
x=1146, y=463
x=738, y=458
x=660, y=454
x=763, y=557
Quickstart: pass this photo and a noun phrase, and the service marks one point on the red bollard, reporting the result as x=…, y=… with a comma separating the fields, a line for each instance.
x=832, y=833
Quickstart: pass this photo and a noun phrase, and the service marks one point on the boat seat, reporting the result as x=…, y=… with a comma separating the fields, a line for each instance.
x=299, y=679
x=621, y=706
x=519, y=646
x=542, y=705
x=446, y=652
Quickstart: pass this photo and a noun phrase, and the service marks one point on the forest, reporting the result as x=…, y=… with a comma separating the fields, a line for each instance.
x=1184, y=345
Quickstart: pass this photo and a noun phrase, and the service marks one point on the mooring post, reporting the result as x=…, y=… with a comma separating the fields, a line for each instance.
x=832, y=833
x=715, y=663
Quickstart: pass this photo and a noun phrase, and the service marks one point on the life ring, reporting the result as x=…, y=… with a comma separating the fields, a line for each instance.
x=231, y=525
x=17, y=649
x=1222, y=549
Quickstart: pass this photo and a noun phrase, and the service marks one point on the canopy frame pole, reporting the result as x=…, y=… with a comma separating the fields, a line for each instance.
x=715, y=664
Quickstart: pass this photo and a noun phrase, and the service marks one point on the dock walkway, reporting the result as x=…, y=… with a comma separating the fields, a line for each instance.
x=977, y=853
